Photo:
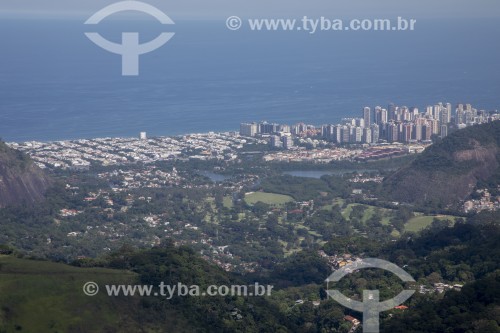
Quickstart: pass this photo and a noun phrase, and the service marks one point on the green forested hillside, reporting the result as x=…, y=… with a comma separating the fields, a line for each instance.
x=40, y=296
x=449, y=170
x=21, y=181
x=473, y=309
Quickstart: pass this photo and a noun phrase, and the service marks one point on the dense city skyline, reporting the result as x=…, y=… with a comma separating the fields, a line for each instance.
x=392, y=124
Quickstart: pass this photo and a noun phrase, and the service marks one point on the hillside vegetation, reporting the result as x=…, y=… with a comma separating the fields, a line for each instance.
x=40, y=296
x=21, y=181
x=448, y=171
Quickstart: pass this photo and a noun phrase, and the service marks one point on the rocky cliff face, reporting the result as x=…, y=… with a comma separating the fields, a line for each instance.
x=448, y=171
x=21, y=181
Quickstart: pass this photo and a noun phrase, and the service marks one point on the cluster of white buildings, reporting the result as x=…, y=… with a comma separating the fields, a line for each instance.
x=146, y=177
x=325, y=155
x=439, y=288
x=366, y=179
x=485, y=202
x=280, y=136
x=334, y=153
x=405, y=124
x=117, y=151
x=392, y=124
x=338, y=261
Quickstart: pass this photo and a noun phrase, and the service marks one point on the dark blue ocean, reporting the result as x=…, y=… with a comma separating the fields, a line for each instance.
x=55, y=84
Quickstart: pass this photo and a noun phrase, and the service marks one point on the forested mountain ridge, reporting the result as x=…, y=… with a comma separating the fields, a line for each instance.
x=449, y=170
x=21, y=181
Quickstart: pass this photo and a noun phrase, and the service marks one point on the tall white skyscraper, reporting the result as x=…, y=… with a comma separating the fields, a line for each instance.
x=248, y=129
x=437, y=111
x=383, y=116
x=375, y=133
x=448, y=115
x=287, y=141
x=367, y=116
x=367, y=135
x=429, y=110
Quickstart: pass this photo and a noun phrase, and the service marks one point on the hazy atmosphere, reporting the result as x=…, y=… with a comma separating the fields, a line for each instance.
x=233, y=166
x=220, y=8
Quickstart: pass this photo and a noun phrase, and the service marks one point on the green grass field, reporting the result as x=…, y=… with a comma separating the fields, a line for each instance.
x=227, y=202
x=346, y=212
x=419, y=223
x=368, y=213
x=416, y=224
x=39, y=296
x=268, y=198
